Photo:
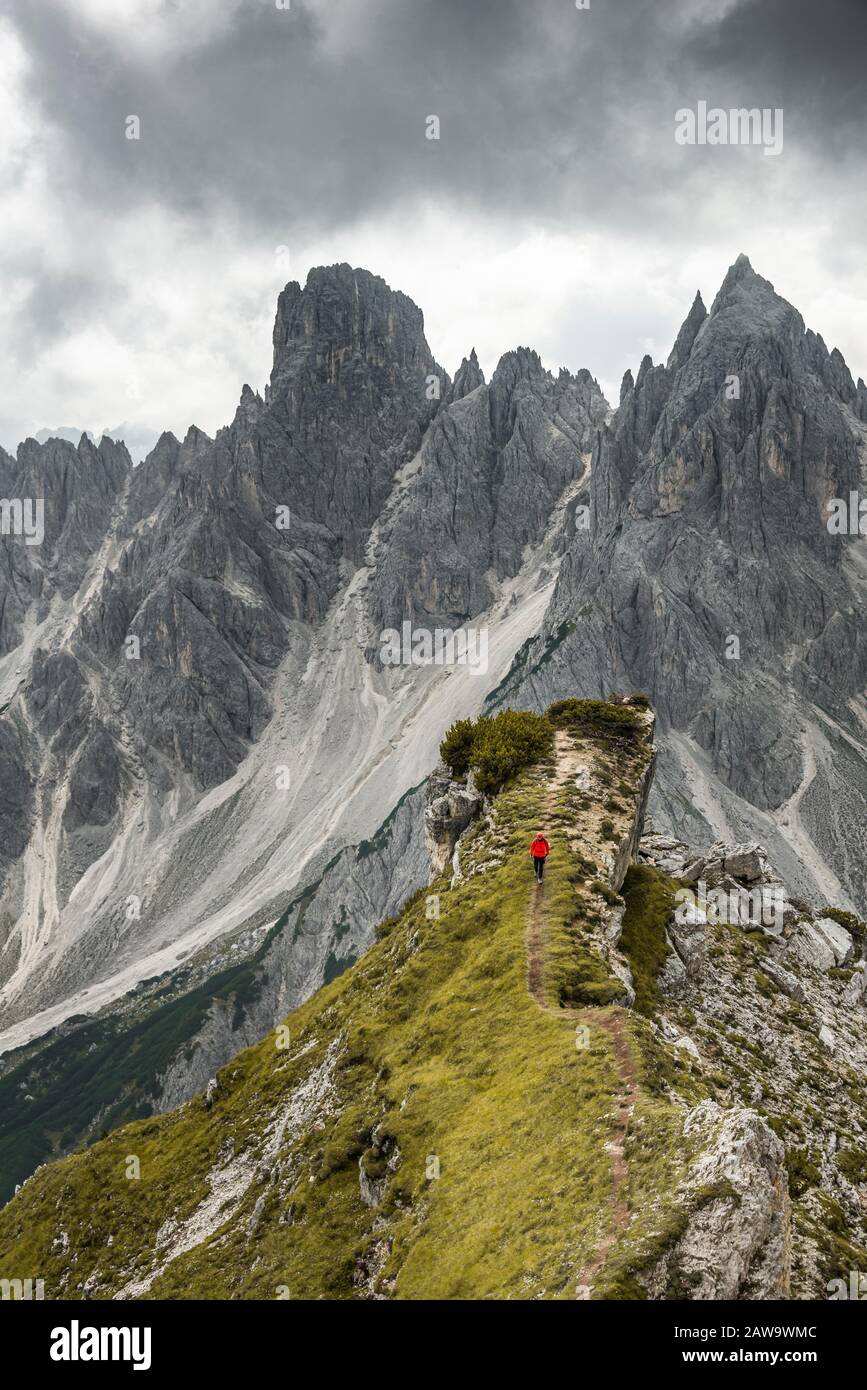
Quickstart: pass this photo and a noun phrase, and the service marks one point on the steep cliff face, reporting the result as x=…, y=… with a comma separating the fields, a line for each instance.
x=347, y=347
x=709, y=579
x=79, y=489
x=491, y=471
x=768, y=1000
x=470, y=1111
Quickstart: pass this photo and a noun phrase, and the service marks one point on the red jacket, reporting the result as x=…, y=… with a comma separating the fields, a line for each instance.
x=540, y=847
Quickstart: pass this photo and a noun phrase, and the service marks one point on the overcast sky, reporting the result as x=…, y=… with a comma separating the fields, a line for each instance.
x=138, y=278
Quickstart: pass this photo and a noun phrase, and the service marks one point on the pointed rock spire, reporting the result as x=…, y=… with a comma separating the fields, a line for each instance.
x=687, y=335
x=467, y=378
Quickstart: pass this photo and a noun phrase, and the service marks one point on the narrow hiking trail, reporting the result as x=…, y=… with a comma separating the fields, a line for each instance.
x=567, y=763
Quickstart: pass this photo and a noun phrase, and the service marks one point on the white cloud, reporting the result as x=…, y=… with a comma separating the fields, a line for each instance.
x=152, y=29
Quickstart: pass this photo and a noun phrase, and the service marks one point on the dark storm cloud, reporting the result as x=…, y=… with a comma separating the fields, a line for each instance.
x=538, y=101
x=806, y=56
x=544, y=108
x=290, y=126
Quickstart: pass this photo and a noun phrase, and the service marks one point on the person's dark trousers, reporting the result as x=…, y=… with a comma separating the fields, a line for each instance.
x=539, y=865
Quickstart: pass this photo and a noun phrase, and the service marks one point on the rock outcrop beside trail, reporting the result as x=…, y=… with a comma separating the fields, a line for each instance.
x=450, y=807
x=737, y=1228
x=768, y=998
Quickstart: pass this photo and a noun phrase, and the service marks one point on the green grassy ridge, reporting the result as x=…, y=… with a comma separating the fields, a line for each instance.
x=650, y=901
x=440, y=1048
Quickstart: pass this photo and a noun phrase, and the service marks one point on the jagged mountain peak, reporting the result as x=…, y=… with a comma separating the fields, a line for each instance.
x=196, y=438
x=167, y=440
x=753, y=302
x=519, y=362
x=348, y=335
x=250, y=406
x=645, y=367
x=741, y=266
x=468, y=377
x=347, y=303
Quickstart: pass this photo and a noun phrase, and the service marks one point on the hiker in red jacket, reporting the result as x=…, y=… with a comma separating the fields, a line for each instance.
x=540, y=849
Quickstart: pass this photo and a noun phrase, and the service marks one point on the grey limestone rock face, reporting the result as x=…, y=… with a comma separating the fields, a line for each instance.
x=736, y=1243
x=79, y=489
x=745, y=862
x=450, y=807
x=143, y=635
x=711, y=582
x=493, y=465
x=753, y=1008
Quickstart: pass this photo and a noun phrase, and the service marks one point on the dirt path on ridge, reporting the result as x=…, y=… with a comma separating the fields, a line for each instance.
x=567, y=759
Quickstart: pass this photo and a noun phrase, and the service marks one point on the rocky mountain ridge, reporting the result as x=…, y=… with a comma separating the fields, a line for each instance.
x=336, y=1158
x=710, y=579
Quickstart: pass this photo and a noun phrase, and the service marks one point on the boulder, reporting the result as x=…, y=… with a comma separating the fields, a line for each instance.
x=450, y=807
x=837, y=937
x=784, y=980
x=583, y=779
x=808, y=946
x=694, y=870
x=737, y=1239
x=689, y=941
x=672, y=978
x=856, y=988
x=746, y=862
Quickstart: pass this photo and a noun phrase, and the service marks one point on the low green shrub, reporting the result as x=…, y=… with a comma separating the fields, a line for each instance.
x=597, y=719
x=853, y=1165
x=456, y=748
x=802, y=1170
x=497, y=746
